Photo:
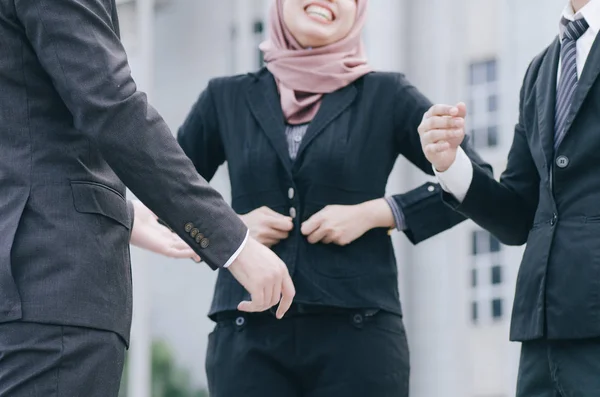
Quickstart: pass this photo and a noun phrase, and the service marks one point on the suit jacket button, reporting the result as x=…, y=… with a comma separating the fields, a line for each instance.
x=194, y=232
x=199, y=237
x=204, y=243
x=291, y=193
x=188, y=227
x=293, y=212
x=431, y=188
x=562, y=161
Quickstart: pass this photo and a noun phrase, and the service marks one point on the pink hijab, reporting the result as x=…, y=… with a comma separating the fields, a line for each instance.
x=304, y=75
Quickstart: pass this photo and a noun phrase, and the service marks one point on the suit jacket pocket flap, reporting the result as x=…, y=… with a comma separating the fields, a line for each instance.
x=95, y=198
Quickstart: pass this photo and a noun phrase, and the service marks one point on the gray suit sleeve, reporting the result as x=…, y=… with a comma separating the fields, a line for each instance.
x=77, y=44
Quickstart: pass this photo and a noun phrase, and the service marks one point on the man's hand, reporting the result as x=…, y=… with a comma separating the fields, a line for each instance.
x=267, y=226
x=442, y=131
x=265, y=277
x=150, y=235
x=338, y=224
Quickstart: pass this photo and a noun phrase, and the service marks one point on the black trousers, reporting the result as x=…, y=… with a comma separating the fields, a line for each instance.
x=559, y=369
x=39, y=360
x=348, y=353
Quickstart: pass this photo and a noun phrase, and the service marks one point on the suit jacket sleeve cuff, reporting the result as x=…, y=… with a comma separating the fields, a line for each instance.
x=131, y=213
x=397, y=212
x=456, y=180
x=425, y=213
x=237, y=253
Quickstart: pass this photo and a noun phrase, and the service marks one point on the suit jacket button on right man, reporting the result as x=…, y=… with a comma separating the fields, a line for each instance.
x=204, y=243
x=188, y=227
x=562, y=161
x=194, y=232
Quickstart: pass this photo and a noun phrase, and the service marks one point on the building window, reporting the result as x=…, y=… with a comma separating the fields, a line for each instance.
x=486, y=278
x=496, y=309
x=484, y=103
x=258, y=38
x=496, y=275
x=484, y=243
x=492, y=103
x=494, y=244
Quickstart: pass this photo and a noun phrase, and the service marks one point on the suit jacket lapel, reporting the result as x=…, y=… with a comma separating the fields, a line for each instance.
x=332, y=106
x=546, y=99
x=263, y=100
x=589, y=75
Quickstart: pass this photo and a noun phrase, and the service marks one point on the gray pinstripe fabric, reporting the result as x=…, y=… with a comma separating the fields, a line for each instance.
x=294, y=135
x=568, y=78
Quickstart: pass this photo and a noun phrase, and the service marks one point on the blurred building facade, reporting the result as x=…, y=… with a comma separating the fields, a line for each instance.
x=456, y=288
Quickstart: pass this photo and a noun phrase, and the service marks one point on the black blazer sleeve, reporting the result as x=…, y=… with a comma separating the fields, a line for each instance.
x=506, y=208
x=425, y=212
x=199, y=136
x=77, y=45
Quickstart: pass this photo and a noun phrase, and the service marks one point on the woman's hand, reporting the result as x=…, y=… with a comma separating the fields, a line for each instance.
x=152, y=236
x=267, y=226
x=342, y=224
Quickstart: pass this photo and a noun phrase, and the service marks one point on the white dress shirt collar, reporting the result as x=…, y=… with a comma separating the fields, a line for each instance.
x=591, y=13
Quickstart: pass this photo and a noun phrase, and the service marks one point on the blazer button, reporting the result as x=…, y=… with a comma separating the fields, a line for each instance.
x=562, y=161
x=204, y=243
x=194, y=232
x=188, y=227
x=199, y=237
x=431, y=188
x=291, y=193
x=293, y=212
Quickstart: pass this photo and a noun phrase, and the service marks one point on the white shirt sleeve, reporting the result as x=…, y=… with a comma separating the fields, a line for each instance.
x=457, y=179
x=237, y=253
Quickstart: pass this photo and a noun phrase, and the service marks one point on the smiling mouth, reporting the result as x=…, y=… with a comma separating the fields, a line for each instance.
x=319, y=13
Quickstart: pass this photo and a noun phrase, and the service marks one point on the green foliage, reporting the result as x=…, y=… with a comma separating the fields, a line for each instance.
x=168, y=379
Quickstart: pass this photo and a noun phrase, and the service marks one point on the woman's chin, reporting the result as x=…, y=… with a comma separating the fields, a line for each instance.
x=316, y=39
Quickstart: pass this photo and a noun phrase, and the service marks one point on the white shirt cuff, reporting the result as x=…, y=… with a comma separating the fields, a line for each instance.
x=237, y=253
x=457, y=179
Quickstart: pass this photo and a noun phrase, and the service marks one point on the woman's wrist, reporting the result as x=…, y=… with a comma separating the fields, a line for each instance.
x=377, y=213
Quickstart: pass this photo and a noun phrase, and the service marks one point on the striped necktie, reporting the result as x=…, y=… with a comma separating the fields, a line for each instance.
x=568, y=75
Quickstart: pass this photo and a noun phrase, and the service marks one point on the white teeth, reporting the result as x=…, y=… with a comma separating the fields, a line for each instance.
x=320, y=12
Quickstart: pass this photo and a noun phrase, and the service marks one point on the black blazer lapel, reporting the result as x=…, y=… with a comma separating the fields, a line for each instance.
x=332, y=106
x=546, y=99
x=589, y=75
x=263, y=100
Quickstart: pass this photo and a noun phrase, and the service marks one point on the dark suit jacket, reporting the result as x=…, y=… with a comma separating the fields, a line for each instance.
x=345, y=157
x=551, y=201
x=72, y=127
